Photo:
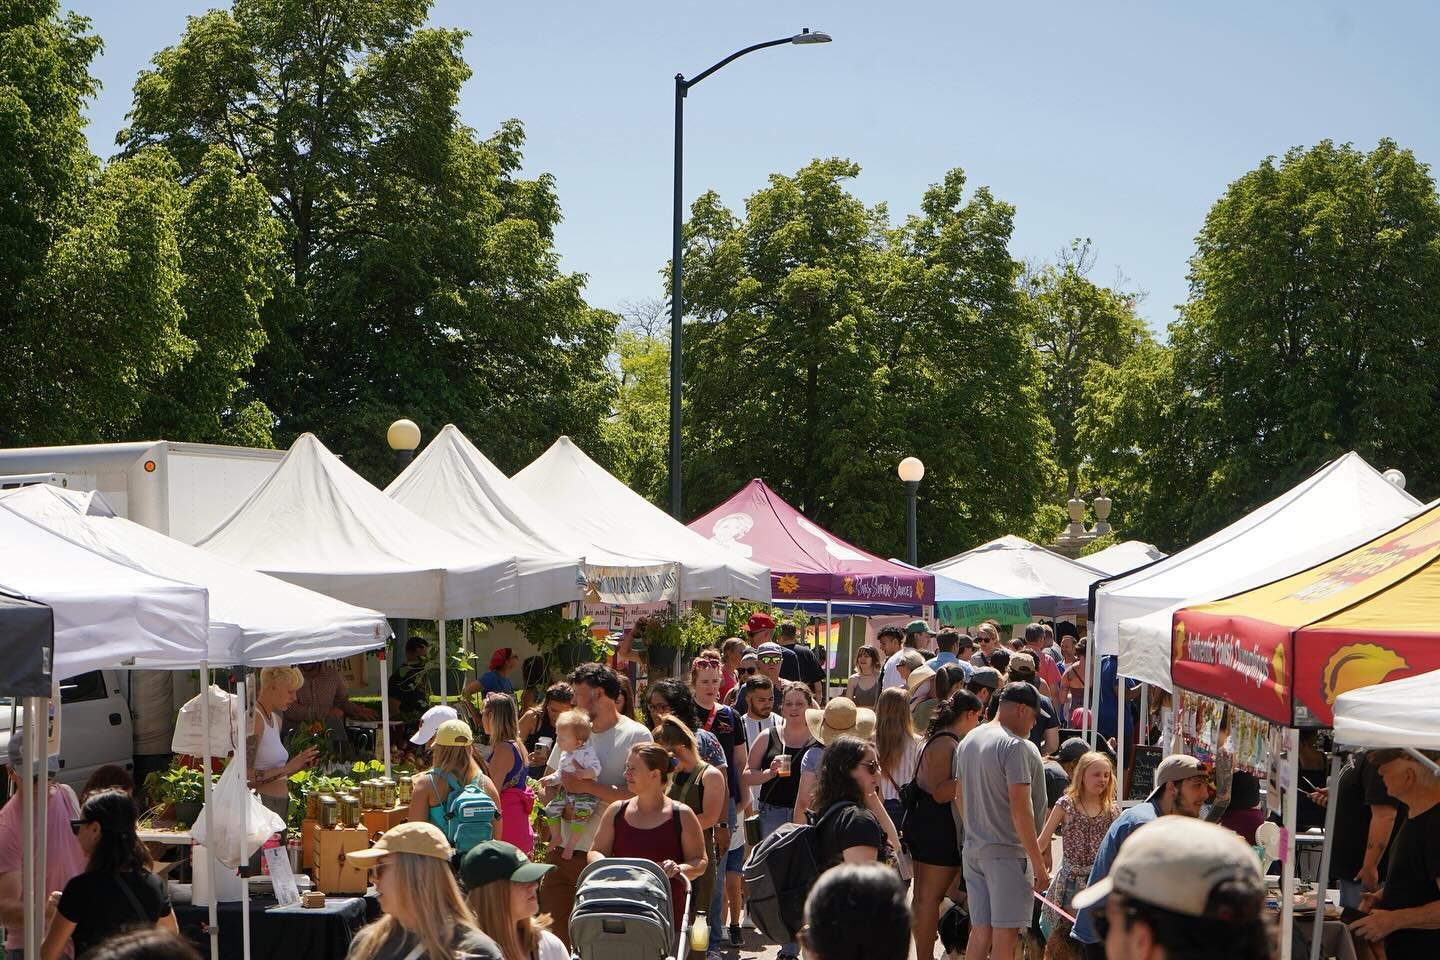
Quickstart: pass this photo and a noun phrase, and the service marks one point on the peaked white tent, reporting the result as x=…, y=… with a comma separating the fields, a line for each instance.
x=451, y=483
x=255, y=620
x=106, y=613
x=1341, y=505
x=1012, y=566
x=605, y=512
x=1400, y=713
x=320, y=525
x=1123, y=557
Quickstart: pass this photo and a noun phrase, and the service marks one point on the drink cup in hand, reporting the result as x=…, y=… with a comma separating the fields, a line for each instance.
x=782, y=765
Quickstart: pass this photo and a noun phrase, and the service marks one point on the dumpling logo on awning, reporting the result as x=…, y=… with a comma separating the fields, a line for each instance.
x=1359, y=665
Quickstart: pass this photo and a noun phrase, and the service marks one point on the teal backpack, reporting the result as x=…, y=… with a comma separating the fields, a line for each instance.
x=469, y=814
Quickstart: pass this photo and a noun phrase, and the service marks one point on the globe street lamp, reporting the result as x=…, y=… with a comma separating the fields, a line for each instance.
x=677, y=294
x=911, y=471
x=403, y=437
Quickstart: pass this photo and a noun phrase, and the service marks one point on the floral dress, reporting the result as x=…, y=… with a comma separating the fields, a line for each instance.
x=1078, y=846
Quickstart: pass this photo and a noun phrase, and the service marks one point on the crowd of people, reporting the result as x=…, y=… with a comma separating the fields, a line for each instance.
x=934, y=791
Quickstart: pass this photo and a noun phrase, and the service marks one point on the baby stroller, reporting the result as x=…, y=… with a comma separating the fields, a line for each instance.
x=623, y=912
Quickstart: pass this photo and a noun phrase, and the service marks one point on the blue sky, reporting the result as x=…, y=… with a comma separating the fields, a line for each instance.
x=1118, y=122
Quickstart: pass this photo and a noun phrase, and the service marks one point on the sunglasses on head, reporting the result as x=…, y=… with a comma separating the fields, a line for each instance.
x=707, y=662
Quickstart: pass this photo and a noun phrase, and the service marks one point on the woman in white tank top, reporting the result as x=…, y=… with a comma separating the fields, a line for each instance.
x=269, y=764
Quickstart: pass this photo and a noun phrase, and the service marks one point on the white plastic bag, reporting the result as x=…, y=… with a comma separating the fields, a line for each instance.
x=241, y=822
x=190, y=733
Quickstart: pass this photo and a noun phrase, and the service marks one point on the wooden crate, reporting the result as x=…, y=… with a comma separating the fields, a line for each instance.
x=333, y=874
x=378, y=821
x=308, y=830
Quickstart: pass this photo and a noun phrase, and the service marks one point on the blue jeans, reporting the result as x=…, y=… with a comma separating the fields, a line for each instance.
x=771, y=819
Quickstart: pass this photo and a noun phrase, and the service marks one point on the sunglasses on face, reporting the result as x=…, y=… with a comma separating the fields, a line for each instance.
x=75, y=825
x=872, y=765
x=770, y=658
x=657, y=708
x=745, y=671
x=1102, y=921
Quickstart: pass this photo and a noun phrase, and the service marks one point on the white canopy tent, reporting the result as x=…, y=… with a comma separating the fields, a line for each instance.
x=1123, y=557
x=1400, y=713
x=1012, y=566
x=1343, y=504
x=107, y=614
x=320, y=525
x=451, y=483
x=580, y=494
x=255, y=620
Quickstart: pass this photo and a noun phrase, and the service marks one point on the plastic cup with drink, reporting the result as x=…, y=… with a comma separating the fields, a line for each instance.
x=782, y=765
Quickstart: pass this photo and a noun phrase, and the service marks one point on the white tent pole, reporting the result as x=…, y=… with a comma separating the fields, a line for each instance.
x=42, y=799
x=241, y=759
x=1287, y=872
x=209, y=862
x=466, y=646
x=1143, y=729
x=385, y=707
x=1087, y=726
x=30, y=883
x=1325, y=849
x=444, y=664
x=831, y=648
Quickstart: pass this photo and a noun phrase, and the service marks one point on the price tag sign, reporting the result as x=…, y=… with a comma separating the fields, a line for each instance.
x=282, y=878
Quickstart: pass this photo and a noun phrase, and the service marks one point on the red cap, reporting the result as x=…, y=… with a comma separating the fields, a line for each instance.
x=759, y=621
x=499, y=658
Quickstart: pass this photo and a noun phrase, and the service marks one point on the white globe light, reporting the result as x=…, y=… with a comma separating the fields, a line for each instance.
x=1395, y=478
x=912, y=470
x=403, y=435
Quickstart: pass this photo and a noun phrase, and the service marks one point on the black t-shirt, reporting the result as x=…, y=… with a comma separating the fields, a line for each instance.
x=1056, y=780
x=98, y=905
x=850, y=826
x=1360, y=787
x=467, y=944
x=789, y=663
x=724, y=724
x=807, y=665
x=1045, y=719
x=1414, y=872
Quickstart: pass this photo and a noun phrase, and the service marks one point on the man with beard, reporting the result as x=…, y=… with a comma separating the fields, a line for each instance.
x=1182, y=787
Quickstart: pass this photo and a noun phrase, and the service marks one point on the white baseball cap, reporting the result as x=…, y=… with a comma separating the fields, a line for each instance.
x=430, y=723
x=1175, y=863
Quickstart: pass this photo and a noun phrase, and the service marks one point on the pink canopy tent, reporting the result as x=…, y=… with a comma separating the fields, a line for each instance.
x=806, y=562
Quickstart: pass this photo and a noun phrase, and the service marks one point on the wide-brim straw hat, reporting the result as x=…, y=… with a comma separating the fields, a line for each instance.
x=840, y=717
x=918, y=676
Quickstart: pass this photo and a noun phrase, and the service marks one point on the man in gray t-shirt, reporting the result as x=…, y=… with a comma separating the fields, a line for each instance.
x=1000, y=825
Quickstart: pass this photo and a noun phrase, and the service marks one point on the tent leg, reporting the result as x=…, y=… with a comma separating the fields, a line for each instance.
x=1087, y=725
x=213, y=920
x=830, y=647
x=30, y=842
x=1121, y=712
x=42, y=799
x=241, y=759
x=1143, y=730
x=1287, y=871
x=444, y=664
x=1324, y=881
x=385, y=707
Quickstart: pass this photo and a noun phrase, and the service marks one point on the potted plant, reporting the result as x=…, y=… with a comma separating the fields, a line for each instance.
x=180, y=788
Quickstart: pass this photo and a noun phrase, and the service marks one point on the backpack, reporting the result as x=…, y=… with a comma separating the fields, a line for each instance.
x=779, y=874
x=469, y=815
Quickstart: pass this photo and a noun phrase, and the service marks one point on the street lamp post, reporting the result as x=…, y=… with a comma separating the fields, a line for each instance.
x=911, y=471
x=677, y=294
x=403, y=437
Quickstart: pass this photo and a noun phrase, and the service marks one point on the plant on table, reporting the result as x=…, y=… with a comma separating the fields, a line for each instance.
x=181, y=789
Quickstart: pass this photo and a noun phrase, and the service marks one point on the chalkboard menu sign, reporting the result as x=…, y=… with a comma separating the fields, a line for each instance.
x=1142, y=773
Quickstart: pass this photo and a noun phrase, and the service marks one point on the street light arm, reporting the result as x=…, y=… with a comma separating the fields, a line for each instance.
x=687, y=84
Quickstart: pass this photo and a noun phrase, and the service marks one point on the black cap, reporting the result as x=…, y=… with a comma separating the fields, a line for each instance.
x=1022, y=693
x=1072, y=750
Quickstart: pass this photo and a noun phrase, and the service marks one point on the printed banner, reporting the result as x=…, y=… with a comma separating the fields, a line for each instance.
x=1242, y=661
x=628, y=585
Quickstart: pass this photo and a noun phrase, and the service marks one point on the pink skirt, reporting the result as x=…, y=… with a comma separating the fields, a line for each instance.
x=515, y=807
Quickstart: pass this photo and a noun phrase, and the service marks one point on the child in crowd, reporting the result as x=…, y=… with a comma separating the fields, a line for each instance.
x=1085, y=813
x=566, y=813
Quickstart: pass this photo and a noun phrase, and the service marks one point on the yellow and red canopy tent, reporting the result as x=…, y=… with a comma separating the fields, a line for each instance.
x=1286, y=650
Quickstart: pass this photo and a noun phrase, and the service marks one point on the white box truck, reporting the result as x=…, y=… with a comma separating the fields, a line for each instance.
x=183, y=490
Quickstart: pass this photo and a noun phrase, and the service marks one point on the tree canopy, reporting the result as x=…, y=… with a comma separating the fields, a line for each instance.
x=826, y=344
x=418, y=275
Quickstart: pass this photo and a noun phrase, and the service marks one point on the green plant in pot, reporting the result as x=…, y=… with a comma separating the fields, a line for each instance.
x=180, y=788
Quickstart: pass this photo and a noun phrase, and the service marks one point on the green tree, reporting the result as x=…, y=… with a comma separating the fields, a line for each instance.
x=1075, y=325
x=637, y=433
x=1314, y=305
x=827, y=344
x=420, y=274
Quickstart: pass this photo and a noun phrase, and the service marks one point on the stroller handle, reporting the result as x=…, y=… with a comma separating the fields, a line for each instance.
x=682, y=940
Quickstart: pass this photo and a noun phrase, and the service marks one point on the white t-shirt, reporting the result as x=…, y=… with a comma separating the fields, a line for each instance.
x=890, y=676
x=612, y=747
x=753, y=729
x=903, y=773
x=551, y=948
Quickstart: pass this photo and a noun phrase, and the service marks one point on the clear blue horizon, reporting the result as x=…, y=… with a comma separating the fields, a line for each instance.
x=1122, y=123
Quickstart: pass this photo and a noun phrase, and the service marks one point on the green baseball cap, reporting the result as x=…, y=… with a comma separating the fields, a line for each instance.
x=916, y=626
x=497, y=860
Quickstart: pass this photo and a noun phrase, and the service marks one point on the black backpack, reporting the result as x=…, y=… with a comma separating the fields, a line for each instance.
x=779, y=874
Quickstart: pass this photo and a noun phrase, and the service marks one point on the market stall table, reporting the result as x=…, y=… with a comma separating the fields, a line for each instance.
x=283, y=933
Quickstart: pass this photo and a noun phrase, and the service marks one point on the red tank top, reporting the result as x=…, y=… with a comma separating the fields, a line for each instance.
x=657, y=844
